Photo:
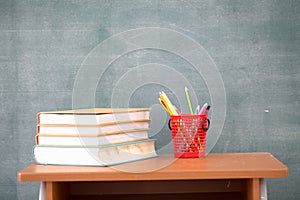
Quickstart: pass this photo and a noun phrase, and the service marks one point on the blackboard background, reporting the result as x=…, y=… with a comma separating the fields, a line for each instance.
x=255, y=44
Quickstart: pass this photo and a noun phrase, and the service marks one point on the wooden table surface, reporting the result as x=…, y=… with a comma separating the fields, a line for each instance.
x=213, y=166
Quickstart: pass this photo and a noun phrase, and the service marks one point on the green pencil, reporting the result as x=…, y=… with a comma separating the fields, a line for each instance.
x=188, y=100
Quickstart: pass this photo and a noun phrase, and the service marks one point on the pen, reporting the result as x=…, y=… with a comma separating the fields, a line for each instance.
x=188, y=99
x=203, y=109
x=197, y=109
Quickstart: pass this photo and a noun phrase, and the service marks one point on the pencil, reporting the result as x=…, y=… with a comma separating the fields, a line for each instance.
x=188, y=100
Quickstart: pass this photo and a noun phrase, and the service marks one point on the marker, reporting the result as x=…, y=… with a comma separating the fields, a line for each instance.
x=203, y=109
x=207, y=109
x=188, y=99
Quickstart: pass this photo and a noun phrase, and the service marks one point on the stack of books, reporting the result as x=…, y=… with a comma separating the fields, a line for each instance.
x=93, y=137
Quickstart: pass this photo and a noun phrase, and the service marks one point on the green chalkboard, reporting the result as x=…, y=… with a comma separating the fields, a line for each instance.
x=253, y=45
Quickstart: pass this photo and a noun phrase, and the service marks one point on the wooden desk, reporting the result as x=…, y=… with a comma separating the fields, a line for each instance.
x=218, y=176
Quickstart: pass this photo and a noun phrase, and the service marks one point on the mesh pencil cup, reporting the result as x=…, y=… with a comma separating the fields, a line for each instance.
x=189, y=135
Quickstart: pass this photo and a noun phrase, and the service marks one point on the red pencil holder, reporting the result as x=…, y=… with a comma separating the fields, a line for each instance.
x=189, y=135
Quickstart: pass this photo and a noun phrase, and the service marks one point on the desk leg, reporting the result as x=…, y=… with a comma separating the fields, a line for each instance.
x=42, y=191
x=263, y=189
x=253, y=189
x=57, y=191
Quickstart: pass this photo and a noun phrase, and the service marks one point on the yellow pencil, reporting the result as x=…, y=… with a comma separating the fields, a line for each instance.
x=168, y=104
x=188, y=100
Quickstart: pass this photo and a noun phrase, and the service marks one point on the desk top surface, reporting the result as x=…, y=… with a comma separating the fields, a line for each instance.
x=165, y=167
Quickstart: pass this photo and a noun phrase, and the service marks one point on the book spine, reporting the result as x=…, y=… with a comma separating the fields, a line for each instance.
x=36, y=134
x=36, y=139
x=38, y=118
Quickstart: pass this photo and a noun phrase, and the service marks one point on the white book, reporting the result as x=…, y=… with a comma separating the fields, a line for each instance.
x=93, y=116
x=92, y=129
x=95, y=156
x=90, y=140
